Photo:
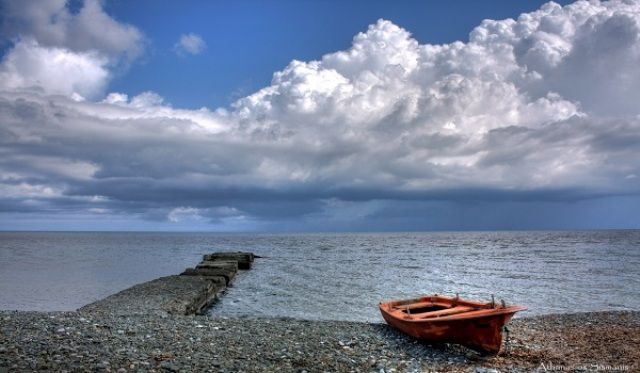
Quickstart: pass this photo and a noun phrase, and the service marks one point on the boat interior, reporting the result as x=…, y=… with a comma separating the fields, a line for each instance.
x=433, y=307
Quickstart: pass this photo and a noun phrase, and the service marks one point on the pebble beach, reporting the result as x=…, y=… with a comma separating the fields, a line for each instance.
x=108, y=340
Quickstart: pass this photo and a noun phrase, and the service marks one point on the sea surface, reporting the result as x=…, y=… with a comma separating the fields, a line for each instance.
x=333, y=276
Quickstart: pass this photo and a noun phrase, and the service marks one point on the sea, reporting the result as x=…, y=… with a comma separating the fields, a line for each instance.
x=333, y=276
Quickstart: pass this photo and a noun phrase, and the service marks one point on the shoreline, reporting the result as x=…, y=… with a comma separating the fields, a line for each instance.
x=159, y=326
x=107, y=340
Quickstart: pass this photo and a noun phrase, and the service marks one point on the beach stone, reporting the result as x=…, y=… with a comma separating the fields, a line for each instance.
x=103, y=365
x=167, y=366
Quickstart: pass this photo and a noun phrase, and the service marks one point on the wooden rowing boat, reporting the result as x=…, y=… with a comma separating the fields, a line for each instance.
x=441, y=319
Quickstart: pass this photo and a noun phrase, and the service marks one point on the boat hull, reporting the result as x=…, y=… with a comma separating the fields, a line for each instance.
x=477, y=328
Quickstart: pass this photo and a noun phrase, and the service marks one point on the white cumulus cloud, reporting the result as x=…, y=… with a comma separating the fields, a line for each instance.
x=190, y=43
x=56, y=70
x=52, y=24
x=61, y=52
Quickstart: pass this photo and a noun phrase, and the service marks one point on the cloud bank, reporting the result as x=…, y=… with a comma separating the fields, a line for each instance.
x=540, y=108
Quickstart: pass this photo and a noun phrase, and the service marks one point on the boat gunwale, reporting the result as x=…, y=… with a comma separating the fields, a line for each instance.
x=439, y=298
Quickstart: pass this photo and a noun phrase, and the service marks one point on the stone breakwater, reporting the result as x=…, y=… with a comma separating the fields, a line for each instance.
x=190, y=293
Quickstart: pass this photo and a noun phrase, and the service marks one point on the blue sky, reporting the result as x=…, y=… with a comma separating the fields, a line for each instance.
x=319, y=115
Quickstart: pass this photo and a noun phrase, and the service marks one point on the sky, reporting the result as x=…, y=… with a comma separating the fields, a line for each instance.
x=319, y=115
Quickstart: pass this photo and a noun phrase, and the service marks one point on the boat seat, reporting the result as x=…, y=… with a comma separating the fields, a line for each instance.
x=447, y=312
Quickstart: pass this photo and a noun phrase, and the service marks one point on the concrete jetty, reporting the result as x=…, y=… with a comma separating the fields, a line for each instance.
x=190, y=293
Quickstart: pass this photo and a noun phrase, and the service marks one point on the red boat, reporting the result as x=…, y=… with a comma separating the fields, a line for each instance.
x=441, y=319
